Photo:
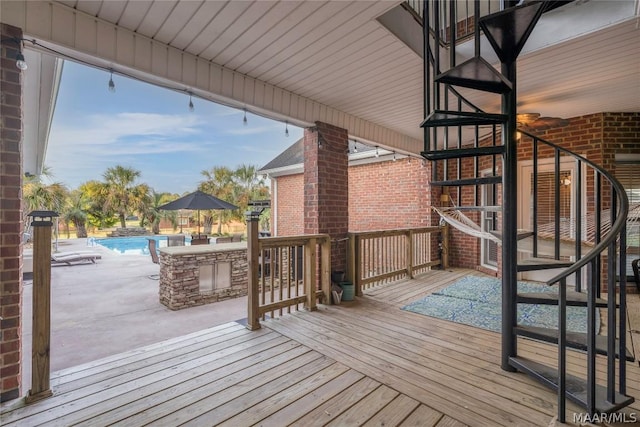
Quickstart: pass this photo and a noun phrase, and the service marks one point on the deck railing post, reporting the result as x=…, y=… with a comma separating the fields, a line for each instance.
x=357, y=264
x=310, y=264
x=444, y=256
x=409, y=249
x=41, y=327
x=253, y=253
x=325, y=269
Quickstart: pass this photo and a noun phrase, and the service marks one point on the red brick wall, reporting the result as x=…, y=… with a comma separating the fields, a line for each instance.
x=400, y=200
x=389, y=195
x=326, y=189
x=10, y=216
x=290, y=205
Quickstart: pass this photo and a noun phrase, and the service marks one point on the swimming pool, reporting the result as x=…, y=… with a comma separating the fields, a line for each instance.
x=133, y=245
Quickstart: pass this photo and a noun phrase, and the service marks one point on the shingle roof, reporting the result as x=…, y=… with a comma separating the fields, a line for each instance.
x=294, y=155
x=291, y=156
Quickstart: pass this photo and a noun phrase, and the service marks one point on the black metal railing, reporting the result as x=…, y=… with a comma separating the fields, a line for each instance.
x=614, y=244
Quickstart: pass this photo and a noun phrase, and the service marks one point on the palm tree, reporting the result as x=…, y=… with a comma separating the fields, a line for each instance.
x=122, y=196
x=98, y=214
x=153, y=215
x=250, y=187
x=220, y=183
x=75, y=212
x=40, y=196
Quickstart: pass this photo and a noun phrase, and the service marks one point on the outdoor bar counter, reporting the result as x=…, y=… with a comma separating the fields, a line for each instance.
x=202, y=274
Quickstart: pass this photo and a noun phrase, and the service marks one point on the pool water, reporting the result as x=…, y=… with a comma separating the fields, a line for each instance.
x=132, y=245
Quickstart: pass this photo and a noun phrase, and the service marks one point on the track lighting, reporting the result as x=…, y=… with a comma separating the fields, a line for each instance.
x=191, y=107
x=377, y=152
x=355, y=146
x=286, y=128
x=112, y=85
x=244, y=119
x=394, y=156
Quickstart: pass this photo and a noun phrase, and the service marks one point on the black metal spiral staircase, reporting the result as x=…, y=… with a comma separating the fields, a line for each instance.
x=455, y=130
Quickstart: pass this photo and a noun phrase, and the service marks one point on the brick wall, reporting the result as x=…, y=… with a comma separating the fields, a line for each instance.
x=389, y=195
x=11, y=225
x=290, y=205
x=326, y=189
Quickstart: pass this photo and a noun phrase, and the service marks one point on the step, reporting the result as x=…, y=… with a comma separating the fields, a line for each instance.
x=469, y=181
x=534, y=264
x=574, y=299
x=575, y=340
x=459, y=153
x=462, y=118
x=476, y=73
x=509, y=29
x=576, y=387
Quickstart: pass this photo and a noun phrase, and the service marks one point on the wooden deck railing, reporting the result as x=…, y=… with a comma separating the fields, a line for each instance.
x=286, y=274
x=377, y=257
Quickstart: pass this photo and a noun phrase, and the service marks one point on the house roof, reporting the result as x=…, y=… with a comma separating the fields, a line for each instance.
x=293, y=155
x=291, y=160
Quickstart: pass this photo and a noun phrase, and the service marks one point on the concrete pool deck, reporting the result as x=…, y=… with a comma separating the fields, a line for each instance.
x=110, y=307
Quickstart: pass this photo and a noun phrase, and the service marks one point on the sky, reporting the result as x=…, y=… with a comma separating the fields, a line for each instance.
x=151, y=129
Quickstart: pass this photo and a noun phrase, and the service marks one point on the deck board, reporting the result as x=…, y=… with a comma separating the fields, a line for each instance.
x=365, y=362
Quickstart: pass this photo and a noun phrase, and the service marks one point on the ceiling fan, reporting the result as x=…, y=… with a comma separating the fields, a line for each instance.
x=533, y=121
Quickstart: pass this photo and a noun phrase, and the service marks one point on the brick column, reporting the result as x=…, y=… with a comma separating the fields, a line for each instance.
x=11, y=224
x=326, y=187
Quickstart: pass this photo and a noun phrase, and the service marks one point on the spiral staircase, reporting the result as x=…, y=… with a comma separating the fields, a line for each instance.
x=456, y=132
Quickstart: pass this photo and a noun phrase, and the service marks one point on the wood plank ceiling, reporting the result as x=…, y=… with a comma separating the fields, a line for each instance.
x=338, y=54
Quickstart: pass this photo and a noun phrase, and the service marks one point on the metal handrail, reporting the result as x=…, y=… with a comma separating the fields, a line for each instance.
x=616, y=227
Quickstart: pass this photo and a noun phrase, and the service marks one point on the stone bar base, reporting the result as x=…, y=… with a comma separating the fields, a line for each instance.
x=181, y=267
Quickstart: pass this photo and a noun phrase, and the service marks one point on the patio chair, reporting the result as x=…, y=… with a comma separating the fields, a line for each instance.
x=74, y=257
x=175, y=240
x=200, y=241
x=154, y=257
x=636, y=272
x=153, y=251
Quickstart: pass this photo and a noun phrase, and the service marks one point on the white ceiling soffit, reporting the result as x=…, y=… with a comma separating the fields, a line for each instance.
x=41, y=83
x=333, y=55
x=336, y=56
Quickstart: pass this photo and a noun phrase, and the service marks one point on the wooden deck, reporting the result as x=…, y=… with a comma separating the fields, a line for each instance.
x=361, y=363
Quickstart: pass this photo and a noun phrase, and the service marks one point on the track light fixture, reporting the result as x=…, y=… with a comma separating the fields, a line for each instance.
x=355, y=146
x=191, y=107
x=244, y=119
x=286, y=128
x=112, y=85
x=394, y=156
x=377, y=152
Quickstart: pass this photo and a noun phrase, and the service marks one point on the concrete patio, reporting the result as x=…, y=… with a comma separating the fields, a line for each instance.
x=101, y=309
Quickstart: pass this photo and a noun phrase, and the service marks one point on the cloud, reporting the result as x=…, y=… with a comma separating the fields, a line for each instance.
x=102, y=129
x=247, y=130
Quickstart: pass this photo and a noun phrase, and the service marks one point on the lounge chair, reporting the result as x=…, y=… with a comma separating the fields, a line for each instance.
x=73, y=257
